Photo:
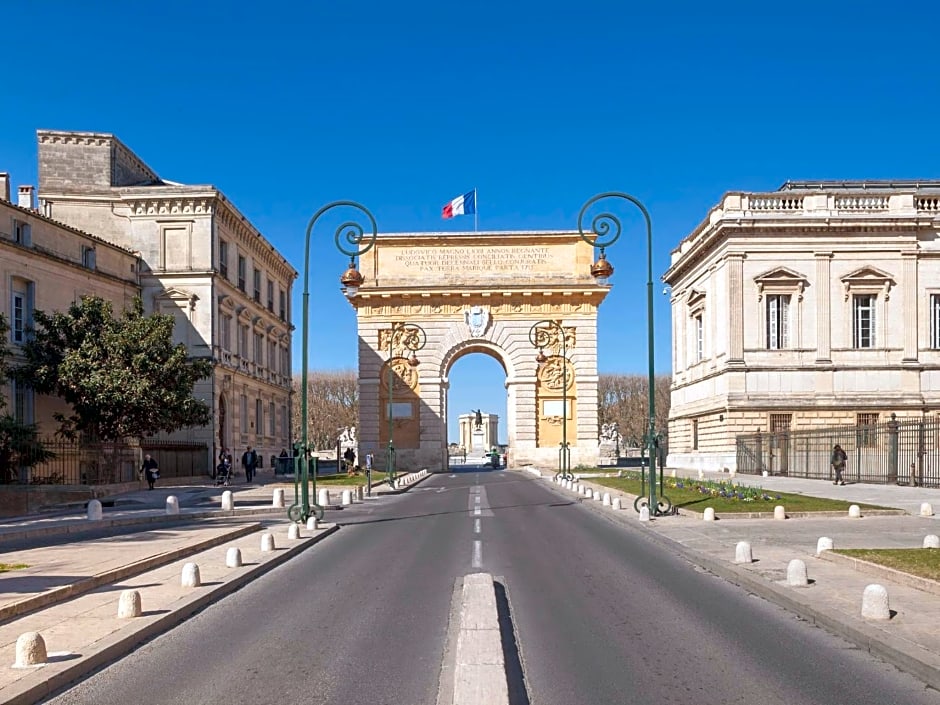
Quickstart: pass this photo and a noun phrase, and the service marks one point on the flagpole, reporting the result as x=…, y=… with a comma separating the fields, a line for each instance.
x=476, y=209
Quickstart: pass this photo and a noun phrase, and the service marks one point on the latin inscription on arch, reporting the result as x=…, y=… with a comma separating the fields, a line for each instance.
x=472, y=259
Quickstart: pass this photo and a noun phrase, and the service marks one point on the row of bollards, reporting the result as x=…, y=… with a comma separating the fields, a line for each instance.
x=606, y=499
x=31, y=647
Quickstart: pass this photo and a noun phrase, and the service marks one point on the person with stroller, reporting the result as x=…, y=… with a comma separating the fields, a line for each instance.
x=223, y=471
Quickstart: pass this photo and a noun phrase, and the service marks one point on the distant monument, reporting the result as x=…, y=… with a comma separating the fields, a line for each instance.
x=609, y=441
x=479, y=432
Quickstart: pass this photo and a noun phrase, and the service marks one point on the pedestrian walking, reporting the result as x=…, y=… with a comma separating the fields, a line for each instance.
x=838, y=463
x=350, y=457
x=150, y=470
x=249, y=463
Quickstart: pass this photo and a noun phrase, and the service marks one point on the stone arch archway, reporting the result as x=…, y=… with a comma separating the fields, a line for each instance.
x=477, y=292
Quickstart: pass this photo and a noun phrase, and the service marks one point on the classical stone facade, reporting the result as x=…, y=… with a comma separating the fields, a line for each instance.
x=49, y=266
x=203, y=263
x=478, y=293
x=815, y=305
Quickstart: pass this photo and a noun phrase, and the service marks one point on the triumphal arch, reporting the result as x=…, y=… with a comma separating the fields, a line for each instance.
x=427, y=299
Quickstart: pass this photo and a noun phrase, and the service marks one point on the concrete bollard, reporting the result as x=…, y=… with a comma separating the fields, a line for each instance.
x=576, y=488
x=780, y=512
x=672, y=474
x=30, y=650
x=618, y=503
x=172, y=505
x=709, y=514
x=855, y=512
x=277, y=498
x=323, y=497
x=293, y=532
x=267, y=542
x=796, y=573
x=926, y=510
x=311, y=523
x=764, y=473
x=228, y=500
x=597, y=496
x=346, y=498
x=605, y=500
x=129, y=604
x=644, y=513
x=742, y=553
x=701, y=474
x=360, y=494
x=233, y=557
x=875, y=603
x=823, y=544
x=931, y=541
x=94, y=510
x=190, y=578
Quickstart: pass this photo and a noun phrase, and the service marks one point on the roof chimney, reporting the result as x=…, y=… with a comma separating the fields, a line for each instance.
x=4, y=186
x=26, y=197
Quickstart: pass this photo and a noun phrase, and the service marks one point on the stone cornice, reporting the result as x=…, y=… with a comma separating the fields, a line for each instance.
x=252, y=240
x=503, y=303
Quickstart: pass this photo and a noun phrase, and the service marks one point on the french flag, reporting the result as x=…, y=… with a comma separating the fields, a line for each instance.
x=462, y=205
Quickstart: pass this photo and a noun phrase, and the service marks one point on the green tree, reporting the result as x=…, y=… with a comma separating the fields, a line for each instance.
x=19, y=443
x=122, y=376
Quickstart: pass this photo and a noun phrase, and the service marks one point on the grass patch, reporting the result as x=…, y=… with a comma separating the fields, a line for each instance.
x=922, y=562
x=350, y=480
x=728, y=497
x=7, y=567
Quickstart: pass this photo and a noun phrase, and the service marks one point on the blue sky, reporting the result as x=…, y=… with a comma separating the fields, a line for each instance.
x=402, y=106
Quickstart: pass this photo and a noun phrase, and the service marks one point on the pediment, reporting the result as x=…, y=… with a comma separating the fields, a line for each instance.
x=177, y=296
x=695, y=300
x=781, y=279
x=868, y=278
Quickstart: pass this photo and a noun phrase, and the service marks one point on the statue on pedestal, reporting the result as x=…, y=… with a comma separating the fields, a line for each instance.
x=478, y=419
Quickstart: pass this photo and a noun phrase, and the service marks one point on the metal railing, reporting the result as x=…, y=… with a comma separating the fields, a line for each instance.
x=900, y=451
x=78, y=463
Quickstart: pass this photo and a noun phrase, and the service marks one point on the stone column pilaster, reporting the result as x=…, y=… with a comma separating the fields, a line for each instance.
x=911, y=305
x=823, y=308
x=736, y=306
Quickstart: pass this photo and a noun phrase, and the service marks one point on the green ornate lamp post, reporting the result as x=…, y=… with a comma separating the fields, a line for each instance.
x=403, y=337
x=605, y=231
x=353, y=240
x=551, y=334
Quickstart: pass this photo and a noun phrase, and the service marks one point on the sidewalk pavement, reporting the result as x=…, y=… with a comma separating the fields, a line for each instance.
x=910, y=640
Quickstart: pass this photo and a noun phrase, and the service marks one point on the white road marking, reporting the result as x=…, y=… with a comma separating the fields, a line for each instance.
x=477, y=512
x=476, y=526
x=477, y=561
x=476, y=500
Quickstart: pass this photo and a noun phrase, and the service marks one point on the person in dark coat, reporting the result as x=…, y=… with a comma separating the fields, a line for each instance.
x=150, y=470
x=249, y=463
x=838, y=463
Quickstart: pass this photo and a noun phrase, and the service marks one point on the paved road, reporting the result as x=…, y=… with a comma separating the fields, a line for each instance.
x=601, y=613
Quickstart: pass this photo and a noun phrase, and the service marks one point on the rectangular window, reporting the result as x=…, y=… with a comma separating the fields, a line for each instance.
x=699, y=338
x=271, y=420
x=88, y=257
x=259, y=417
x=256, y=281
x=270, y=296
x=243, y=408
x=778, y=321
x=694, y=434
x=259, y=348
x=935, y=321
x=867, y=434
x=285, y=361
x=243, y=341
x=21, y=233
x=225, y=334
x=223, y=258
x=282, y=305
x=780, y=423
x=242, y=269
x=18, y=329
x=272, y=356
x=863, y=320
x=284, y=421
x=22, y=402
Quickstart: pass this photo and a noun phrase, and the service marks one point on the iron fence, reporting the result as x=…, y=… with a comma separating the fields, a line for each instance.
x=903, y=451
x=78, y=463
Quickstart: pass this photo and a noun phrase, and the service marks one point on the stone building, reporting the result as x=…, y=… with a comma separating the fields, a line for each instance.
x=49, y=266
x=202, y=262
x=814, y=305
